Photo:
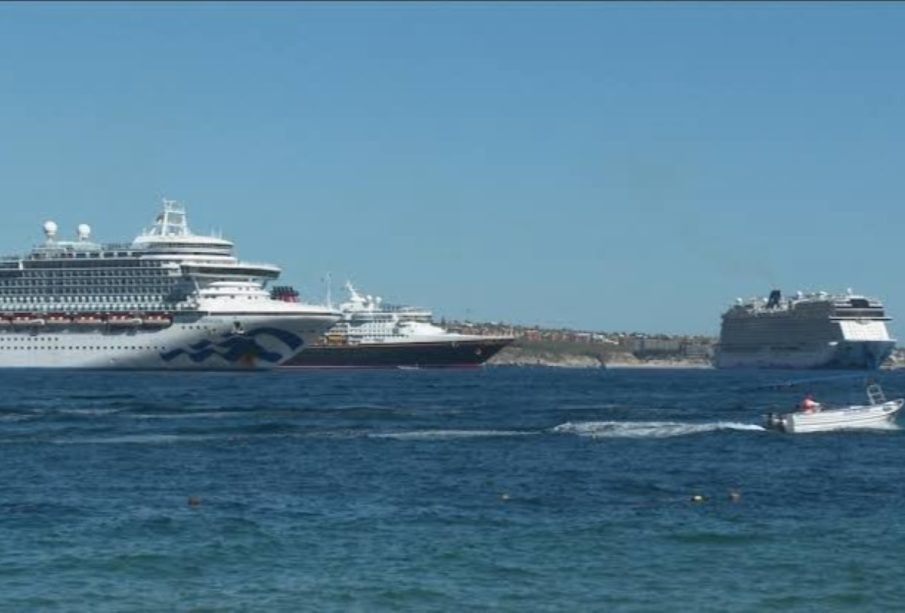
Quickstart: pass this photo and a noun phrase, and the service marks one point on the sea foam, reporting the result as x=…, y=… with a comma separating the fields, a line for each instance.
x=648, y=429
x=448, y=434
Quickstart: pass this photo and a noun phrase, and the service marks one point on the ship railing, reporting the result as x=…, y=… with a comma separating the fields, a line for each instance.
x=119, y=246
x=396, y=308
x=246, y=264
x=875, y=394
x=227, y=262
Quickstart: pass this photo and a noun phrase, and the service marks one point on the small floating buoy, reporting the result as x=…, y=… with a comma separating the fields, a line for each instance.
x=734, y=495
x=504, y=497
x=194, y=501
x=697, y=498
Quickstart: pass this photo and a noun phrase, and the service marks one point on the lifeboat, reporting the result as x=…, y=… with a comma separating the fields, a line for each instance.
x=27, y=320
x=87, y=320
x=156, y=320
x=123, y=320
x=334, y=339
x=58, y=319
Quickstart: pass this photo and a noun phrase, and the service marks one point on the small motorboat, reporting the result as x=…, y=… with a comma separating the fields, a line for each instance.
x=880, y=413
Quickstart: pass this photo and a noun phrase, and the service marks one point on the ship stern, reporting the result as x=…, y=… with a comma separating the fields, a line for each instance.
x=861, y=355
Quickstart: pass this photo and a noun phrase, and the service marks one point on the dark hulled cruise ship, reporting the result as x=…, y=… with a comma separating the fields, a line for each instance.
x=375, y=335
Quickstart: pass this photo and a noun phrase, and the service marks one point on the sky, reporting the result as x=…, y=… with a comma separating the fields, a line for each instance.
x=606, y=166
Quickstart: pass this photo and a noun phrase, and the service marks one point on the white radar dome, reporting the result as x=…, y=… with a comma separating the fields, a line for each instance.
x=50, y=229
x=84, y=231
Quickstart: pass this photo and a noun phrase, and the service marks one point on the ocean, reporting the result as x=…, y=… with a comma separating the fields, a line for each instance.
x=504, y=489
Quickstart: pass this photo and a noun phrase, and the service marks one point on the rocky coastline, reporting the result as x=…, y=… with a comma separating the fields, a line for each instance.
x=520, y=356
x=567, y=348
x=528, y=353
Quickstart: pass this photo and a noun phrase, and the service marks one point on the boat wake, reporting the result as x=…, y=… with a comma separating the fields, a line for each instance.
x=591, y=429
x=648, y=429
x=434, y=435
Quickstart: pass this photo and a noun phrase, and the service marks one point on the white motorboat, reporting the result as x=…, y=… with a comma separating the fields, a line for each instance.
x=880, y=413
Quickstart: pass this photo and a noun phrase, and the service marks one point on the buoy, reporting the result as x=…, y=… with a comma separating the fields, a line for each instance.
x=734, y=496
x=504, y=497
x=697, y=498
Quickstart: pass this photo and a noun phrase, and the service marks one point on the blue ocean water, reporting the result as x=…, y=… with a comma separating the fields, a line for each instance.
x=503, y=489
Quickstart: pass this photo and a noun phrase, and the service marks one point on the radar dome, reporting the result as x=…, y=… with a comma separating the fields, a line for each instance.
x=84, y=231
x=50, y=229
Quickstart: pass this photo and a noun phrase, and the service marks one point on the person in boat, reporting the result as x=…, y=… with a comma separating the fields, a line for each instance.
x=809, y=405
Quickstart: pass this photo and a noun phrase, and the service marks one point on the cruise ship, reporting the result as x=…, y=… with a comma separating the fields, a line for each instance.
x=372, y=334
x=170, y=299
x=815, y=330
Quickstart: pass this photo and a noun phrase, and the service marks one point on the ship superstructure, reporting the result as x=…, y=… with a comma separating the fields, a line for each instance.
x=374, y=334
x=814, y=330
x=170, y=299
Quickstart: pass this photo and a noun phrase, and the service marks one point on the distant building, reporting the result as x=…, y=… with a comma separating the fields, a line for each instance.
x=643, y=346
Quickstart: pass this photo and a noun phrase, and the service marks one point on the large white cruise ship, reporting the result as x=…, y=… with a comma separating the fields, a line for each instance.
x=815, y=330
x=170, y=299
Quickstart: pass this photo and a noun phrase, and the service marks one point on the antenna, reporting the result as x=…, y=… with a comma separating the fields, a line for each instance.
x=328, y=280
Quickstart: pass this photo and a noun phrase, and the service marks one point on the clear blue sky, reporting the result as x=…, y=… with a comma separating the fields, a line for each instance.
x=611, y=166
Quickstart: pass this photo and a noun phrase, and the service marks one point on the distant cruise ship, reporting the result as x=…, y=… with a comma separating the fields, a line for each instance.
x=814, y=330
x=170, y=299
x=373, y=334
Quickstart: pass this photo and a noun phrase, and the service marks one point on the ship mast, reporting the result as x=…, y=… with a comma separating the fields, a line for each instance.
x=328, y=280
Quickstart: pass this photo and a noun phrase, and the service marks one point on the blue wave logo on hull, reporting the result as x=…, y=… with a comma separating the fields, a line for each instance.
x=237, y=347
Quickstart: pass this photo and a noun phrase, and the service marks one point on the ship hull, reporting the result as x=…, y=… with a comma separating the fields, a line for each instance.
x=192, y=341
x=844, y=355
x=427, y=354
